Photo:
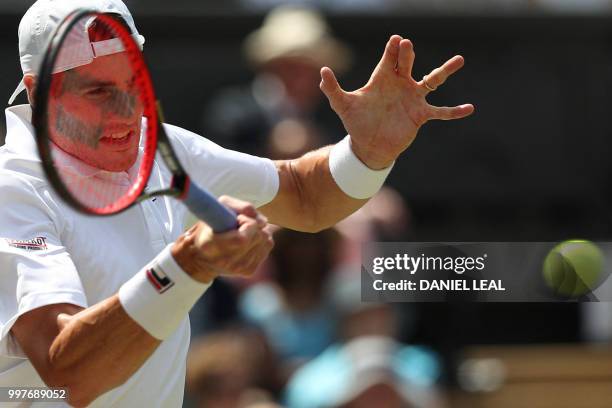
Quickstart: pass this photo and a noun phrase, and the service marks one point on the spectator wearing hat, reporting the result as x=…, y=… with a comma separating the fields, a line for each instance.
x=275, y=114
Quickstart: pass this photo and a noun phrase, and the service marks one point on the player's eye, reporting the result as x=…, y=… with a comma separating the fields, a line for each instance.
x=98, y=93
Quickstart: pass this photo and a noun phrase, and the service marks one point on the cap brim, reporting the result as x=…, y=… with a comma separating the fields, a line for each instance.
x=20, y=88
x=140, y=40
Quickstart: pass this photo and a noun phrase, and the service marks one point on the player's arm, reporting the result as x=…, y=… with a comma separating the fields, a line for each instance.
x=90, y=351
x=308, y=198
x=383, y=118
x=67, y=344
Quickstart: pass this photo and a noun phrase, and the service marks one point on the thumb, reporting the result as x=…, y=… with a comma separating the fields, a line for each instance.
x=62, y=320
x=332, y=90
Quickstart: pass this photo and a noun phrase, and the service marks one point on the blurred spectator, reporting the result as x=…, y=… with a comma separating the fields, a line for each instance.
x=367, y=367
x=293, y=309
x=217, y=309
x=360, y=319
x=281, y=105
x=275, y=116
x=367, y=372
x=231, y=369
x=386, y=217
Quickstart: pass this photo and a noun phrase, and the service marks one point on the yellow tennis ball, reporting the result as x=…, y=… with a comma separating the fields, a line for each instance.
x=574, y=268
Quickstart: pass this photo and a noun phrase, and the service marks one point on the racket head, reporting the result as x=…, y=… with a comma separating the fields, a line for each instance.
x=95, y=114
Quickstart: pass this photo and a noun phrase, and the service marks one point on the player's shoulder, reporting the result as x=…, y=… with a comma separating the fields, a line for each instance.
x=24, y=197
x=16, y=181
x=178, y=133
x=17, y=188
x=198, y=151
x=19, y=169
x=188, y=142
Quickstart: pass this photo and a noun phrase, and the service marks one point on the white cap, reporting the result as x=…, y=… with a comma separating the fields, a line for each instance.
x=40, y=22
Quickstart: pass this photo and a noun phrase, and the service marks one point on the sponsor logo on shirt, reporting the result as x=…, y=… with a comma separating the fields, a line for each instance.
x=36, y=244
x=160, y=281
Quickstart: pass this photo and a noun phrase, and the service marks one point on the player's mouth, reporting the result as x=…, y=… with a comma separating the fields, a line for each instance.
x=118, y=139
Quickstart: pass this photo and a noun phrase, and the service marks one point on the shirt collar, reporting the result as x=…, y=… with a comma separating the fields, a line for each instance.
x=70, y=165
x=20, y=133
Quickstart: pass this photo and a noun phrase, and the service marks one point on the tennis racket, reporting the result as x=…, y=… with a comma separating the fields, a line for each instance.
x=98, y=123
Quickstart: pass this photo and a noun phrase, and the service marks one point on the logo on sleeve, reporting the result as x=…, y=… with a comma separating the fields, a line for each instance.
x=36, y=244
x=160, y=281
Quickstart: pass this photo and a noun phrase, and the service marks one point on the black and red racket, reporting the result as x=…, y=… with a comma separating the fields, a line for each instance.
x=98, y=123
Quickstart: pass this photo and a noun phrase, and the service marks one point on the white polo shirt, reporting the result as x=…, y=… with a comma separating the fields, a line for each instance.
x=51, y=254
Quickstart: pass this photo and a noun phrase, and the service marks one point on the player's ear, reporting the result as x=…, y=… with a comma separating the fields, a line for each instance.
x=29, y=80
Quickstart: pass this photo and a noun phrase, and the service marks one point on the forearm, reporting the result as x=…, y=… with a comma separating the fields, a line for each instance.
x=99, y=339
x=309, y=199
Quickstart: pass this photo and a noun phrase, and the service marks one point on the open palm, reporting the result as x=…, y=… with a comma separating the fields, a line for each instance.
x=384, y=116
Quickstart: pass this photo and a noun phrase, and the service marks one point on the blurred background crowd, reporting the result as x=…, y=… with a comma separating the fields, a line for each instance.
x=365, y=6
x=531, y=165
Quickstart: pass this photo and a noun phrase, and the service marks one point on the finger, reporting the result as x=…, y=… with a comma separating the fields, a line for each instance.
x=261, y=241
x=202, y=234
x=193, y=229
x=271, y=229
x=250, y=261
x=439, y=75
x=405, y=60
x=241, y=262
x=63, y=319
x=247, y=228
x=450, y=113
x=246, y=208
x=262, y=220
x=388, y=62
x=239, y=206
x=331, y=88
x=236, y=239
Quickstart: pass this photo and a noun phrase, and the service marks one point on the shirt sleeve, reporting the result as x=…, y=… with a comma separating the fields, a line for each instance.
x=222, y=171
x=35, y=268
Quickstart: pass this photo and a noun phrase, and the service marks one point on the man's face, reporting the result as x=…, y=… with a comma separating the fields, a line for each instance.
x=95, y=113
x=301, y=79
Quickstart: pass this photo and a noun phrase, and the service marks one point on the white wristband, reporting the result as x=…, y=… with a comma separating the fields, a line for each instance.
x=159, y=296
x=353, y=177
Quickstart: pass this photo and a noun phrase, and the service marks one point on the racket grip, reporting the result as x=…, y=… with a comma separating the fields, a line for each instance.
x=208, y=209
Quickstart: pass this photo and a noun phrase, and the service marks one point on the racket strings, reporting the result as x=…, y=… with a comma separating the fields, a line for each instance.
x=97, y=116
x=94, y=187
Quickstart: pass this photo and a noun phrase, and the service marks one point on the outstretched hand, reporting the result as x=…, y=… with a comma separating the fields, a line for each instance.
x=384, y=116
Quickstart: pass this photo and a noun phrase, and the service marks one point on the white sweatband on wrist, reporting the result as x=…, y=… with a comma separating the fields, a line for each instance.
x=159, y=296
x=353, y=177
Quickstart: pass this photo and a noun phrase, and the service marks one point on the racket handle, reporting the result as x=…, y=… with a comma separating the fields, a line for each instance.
x=208, y=209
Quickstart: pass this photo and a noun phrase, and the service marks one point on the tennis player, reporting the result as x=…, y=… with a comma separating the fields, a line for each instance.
x=99, y=306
